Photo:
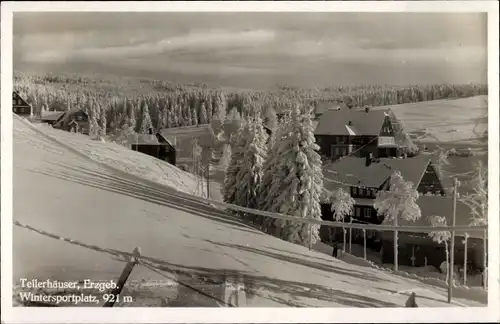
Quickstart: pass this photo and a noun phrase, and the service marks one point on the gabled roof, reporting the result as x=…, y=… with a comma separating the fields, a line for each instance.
x=334, y=122
x=16, y=95
x=353, y=171
x=52, y=116
x=203, y=132
x=143, y=139
x=322, y=106
x=442, y=206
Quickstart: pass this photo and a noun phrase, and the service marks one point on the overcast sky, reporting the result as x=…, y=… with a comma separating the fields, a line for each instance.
x=258, y=49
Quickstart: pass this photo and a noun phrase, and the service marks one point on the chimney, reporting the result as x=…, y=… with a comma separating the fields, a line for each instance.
x=150, y=131
x=349, y=123
x=368, y=159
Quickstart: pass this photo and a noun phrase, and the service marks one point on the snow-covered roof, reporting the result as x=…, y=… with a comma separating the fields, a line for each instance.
x=204, y=133
x=143, y=139
x=52, y=115
x=353, y=170
x=442, y=206
x=340, y=122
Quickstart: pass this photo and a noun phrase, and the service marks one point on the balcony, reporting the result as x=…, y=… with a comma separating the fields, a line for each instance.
x=386, y=141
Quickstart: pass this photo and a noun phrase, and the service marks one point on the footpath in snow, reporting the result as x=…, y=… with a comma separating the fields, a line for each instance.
x=76, y=220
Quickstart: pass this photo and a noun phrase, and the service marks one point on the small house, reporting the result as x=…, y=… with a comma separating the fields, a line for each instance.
x=182, y=138
x=150, y=145
x=76, y=121
x=52, y=118
x=20, y=106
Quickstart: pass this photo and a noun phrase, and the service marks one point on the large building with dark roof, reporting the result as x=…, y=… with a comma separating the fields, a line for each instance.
x=345, y=131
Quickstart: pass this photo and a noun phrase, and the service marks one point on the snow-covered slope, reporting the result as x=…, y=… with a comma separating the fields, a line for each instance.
x=76, y=219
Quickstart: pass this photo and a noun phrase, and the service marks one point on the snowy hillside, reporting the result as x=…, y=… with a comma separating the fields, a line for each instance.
x=76, y=219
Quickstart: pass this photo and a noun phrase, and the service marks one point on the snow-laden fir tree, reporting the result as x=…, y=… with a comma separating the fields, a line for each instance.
x=270, y=118
x=477, y=201
x=298, y=183
x=203, y=114
x=226, y=157
x=93, y=123
x=210, y=110
x=194, y=117
x=238, y=142
x=399, y=202
x=250, y=171
x=441, y=237
x=342, y=206
x=270, y=168
x=103, y=123
x=146, y=123
x=132, y=122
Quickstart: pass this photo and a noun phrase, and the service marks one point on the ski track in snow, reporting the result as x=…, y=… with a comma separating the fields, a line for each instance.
x=201, y=245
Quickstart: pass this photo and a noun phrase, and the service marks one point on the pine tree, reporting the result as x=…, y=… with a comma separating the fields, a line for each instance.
x=249, y=176
x=238, y=142
x=93, y=124
x=225, y=158
x=195, y=118
x=132, y=122
x=210, y=110
x=146, y=123
x=103, y=123
x=298, y=183
x=203, y=114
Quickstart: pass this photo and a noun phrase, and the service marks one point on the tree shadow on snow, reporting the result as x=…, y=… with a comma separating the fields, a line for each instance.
x=328, y=267
x=160, y=196
x=206, y=287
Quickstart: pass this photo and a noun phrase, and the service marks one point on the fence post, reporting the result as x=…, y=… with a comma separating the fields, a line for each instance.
x=452, y=247
x=364, y=243
x=350, y=237
x=123, y=278
x=465, y=258
x=396, y=243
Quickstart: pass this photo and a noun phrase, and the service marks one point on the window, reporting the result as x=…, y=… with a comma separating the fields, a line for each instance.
x=358, y=211
x=341, y=139
x=354, y=191
x=367, y=213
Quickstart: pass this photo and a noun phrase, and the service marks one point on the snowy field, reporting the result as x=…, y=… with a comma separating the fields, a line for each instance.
x=77, y=219
x=448, y=120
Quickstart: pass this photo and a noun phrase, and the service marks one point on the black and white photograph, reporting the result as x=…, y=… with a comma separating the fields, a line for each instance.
x=265, y=159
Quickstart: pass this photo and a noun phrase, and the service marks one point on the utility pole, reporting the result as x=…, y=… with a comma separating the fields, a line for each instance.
x=208, y=178
x=452, y=247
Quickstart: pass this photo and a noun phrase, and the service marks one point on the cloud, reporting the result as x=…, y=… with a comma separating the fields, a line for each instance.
x=193, y=42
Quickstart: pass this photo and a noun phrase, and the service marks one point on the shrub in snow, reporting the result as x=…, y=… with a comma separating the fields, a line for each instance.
x=441, y=237
x=297, y=185
x=399, y=202
x=342, y=206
